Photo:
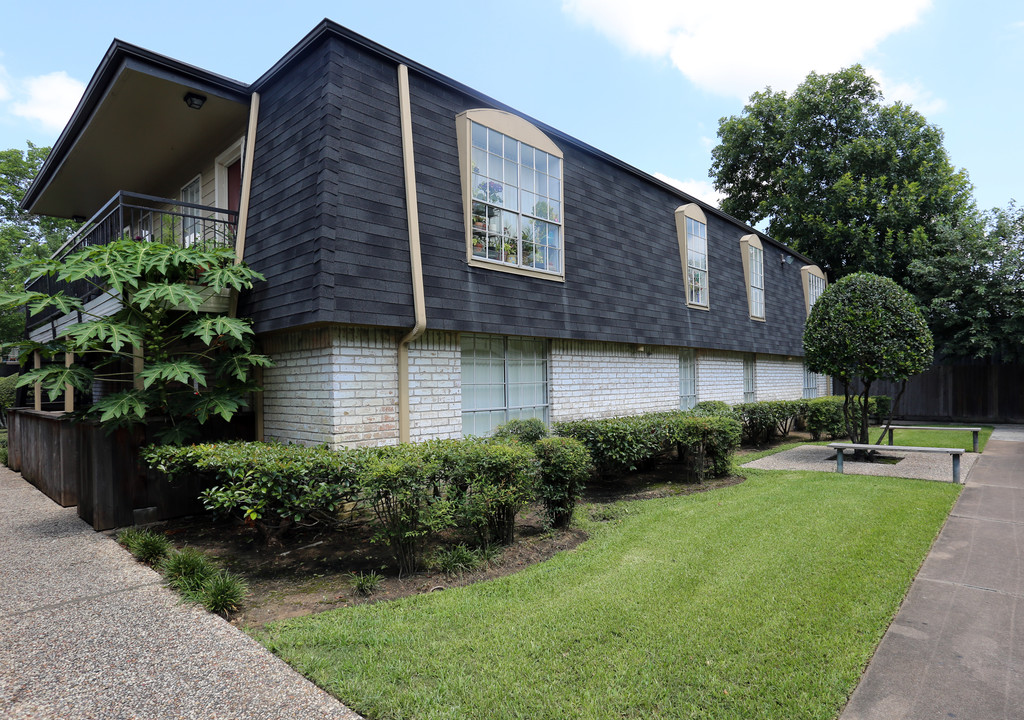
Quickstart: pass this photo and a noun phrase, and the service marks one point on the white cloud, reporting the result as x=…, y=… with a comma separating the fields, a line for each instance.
x=736, y=47
x=51, y=99
x=910, y=93
x=700, y=189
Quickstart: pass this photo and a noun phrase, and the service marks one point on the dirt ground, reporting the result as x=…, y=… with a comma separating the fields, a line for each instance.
x=312, y=570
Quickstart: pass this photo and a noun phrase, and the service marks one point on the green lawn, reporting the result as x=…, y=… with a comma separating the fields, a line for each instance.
x=936, y=438
x=761, y=600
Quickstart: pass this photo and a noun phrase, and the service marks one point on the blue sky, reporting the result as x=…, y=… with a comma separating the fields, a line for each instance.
x=644, y=80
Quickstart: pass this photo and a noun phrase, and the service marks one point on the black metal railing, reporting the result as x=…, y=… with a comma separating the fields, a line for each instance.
x=144, y=218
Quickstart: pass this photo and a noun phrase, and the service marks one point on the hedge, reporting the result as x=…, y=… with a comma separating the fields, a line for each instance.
x=824, y=416
x=270, y=485
x=619, y=445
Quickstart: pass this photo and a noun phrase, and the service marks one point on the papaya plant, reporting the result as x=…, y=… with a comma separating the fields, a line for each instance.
x=194, y=364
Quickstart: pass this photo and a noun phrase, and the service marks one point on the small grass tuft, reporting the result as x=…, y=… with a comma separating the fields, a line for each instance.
x=147, y=546
x=221, y=593
x=455, y=560
x=188, y=569
x=365, y=583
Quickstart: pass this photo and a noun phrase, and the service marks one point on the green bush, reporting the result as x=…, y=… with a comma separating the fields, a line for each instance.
x=824, y=417
x=271, y=485
x=399, y=483
x=528, y=431
x=146, y=545
x=6, y=397
x=706, y=443
x=619, y=445
x=492, y=482
x=564, y=469
x=767, y=420
x=714, y=407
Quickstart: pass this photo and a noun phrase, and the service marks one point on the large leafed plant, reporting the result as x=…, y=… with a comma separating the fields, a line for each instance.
x=195, y=364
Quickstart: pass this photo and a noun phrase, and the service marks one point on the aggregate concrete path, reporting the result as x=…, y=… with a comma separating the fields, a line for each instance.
x=956, y=647
x=86, y=632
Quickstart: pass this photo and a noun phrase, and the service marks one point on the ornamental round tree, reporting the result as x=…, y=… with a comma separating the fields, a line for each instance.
x=865, y=328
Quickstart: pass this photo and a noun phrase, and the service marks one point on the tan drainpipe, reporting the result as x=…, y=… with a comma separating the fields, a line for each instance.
x=418, y=300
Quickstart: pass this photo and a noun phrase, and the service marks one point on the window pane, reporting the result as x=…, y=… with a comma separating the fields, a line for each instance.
x=479, y=136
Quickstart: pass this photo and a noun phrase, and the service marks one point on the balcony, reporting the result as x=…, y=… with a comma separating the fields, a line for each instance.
x=139, y=217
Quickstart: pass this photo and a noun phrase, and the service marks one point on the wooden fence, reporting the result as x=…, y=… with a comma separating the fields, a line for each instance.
x=79, y=463
x=967, y=392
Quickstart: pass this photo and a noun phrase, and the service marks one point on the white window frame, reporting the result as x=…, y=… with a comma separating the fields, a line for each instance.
x=749, y=378
x=508, y=409
x=520, y=133
x=694, y=254
x=191, y=192
x=688, y=379
x=752, y=253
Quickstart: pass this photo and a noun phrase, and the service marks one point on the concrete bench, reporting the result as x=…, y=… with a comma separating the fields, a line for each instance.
x=954, y=452
x=974, y=431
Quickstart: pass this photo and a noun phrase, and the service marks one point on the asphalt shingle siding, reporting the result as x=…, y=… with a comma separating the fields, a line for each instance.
x=623, y=281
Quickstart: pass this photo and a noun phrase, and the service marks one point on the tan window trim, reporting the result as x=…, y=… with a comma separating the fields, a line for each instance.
x=694, y=212
x=747, y=242
x=523, y=131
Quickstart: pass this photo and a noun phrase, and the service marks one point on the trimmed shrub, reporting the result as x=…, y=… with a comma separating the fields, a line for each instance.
x=714, y=407
x=491, y=482
x=270, y=485
x=564, y=469
x=147, y=546
x=706, y=443
x=764, y=421
x=528, y=431
x=824, y=417
x=399, y=483
x=619, y=445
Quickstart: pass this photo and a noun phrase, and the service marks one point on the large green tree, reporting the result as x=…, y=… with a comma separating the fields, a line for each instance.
x=22, y=234
x=856, y=184
x=865, y=328
x=972, y=286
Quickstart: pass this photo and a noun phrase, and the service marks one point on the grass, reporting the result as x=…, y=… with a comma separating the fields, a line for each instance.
x=760, y=600
x=935, y=438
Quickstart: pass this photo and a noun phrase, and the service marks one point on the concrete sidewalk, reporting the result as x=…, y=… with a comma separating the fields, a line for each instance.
x=86, y=632
x=956, y=647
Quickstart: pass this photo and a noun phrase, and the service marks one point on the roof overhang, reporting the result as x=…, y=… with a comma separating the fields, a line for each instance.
x=133, y=130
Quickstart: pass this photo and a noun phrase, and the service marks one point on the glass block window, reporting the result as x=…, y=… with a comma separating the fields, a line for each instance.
x=749, y=379
x=516, y=202
x=502, y=379
x=810, y=384
x=687, y=379
x=756, y=281
x=697, y=261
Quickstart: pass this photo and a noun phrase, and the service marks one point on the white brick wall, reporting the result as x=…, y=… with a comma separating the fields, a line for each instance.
x=334, y=385
x=720, y=376
x=435, y=387
x=779, y=377
x=595, y=380
x=339, y=385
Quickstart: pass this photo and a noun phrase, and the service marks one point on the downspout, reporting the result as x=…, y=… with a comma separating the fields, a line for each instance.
x=415, y=261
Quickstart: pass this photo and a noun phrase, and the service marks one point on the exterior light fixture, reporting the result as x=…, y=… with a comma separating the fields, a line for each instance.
x=194, y=100
x=785, y=259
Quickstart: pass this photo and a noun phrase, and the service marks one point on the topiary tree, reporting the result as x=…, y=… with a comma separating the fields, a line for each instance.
x=865, y=328
x=172, y=360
